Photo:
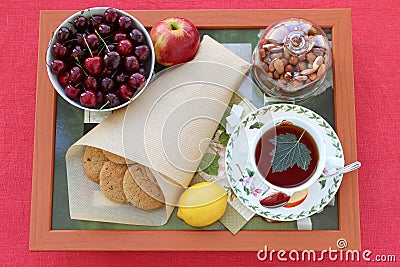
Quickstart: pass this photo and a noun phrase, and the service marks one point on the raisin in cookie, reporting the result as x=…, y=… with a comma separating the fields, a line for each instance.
x=93, y=160
x=141, y=188
x=111, y=181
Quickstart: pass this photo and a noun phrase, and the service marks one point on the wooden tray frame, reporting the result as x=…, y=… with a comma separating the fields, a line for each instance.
x=42, y=237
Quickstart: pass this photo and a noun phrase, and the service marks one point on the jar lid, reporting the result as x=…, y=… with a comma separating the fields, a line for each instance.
x=294, y=52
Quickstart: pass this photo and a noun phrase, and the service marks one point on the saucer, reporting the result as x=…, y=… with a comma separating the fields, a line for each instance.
x=249, y=189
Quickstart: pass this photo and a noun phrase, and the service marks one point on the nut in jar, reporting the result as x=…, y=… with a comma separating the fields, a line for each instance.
x=291, y=59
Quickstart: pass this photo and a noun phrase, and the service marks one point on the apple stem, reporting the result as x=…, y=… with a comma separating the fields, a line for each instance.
x=90, y=51
x=102, y=41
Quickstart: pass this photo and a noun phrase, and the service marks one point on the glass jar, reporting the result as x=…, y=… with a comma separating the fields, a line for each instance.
x=291, y=59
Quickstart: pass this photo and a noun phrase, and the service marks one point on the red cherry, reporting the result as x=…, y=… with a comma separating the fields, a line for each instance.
x=104, y=29
x=125, y=23
x=64, y=34
x=142, y=71
x=77, y=52
x=136, y=36
x=72, y=91
x=58, y=66
x=107, y=73
x=131, y=64
x=80, y=23
x=112, y=60
x=119, y=36
x=100, y=98
x=137, y=81
x=91, y=83
x=142, y=52
x=121, y=77
x=94, y=21
x=112, y=99
x=111, y=15
x=125, y=47
x=112, y=47
x=59, y=50
x=63, y=79
x=92, y=40
x=125, y=91
x=79, y=38
x=75, y=74
x=93, y=65
x=88, y=99
x=107, y=84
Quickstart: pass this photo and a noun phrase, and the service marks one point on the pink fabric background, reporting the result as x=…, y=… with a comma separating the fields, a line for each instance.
x=376, y=58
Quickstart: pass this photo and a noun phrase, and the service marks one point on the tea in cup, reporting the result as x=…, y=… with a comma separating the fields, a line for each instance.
x=289, y=155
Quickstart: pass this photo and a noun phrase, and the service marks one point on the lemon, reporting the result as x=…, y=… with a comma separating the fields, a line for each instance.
x=202, y=204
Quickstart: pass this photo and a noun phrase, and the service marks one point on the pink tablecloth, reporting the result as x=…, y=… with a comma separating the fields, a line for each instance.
x=376, y=38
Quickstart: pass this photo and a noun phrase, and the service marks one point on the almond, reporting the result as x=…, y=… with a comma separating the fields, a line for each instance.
x=262, y=53
x=312, y=31
x=276, y=49
x=289, y=68
x=284, y=61
x=313, y=76
x=276, y=75
x=301, y=78
x=269, y=46
x=278, y=64
x=271, y=65
x=302, y=65
x=310, y=57
x=318, y=51
x=293, y=60
x=308, y=71
x=321, y=71
x=318, y=62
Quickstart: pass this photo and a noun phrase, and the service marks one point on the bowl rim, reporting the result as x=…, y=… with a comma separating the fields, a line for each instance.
x=97, y=10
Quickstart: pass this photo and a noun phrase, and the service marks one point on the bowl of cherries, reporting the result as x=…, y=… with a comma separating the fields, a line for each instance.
x=100, y=59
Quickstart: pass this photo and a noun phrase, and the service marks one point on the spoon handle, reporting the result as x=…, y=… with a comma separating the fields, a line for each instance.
x=348, y=168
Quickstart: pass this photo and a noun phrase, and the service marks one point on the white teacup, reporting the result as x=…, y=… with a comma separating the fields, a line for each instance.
x=320, y=145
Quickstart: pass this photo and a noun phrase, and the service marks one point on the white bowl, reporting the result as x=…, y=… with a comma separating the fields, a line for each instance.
x=149, y=66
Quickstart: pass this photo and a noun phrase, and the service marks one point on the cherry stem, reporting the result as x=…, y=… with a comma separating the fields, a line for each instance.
x=90, y=51
x=70, y=40
x=102, y=40
x=101, y=50
x=80, y=65
x=105, y=104
x=115, y=72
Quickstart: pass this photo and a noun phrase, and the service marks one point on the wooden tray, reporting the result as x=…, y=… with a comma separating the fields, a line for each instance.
x=43, y=237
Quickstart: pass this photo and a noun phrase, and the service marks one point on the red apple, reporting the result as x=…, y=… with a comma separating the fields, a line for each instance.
x=175, y=40
x=297, y=198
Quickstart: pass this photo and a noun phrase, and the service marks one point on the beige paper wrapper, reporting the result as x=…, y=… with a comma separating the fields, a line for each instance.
x=168, y=128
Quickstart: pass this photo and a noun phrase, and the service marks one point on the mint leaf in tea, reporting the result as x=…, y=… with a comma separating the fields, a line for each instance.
x=289, y=150
x=286, y=155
